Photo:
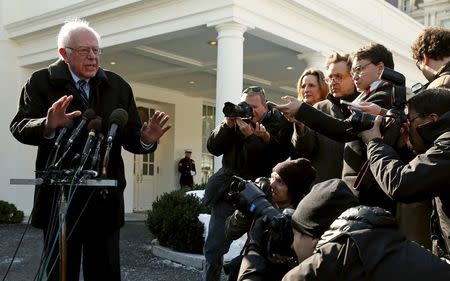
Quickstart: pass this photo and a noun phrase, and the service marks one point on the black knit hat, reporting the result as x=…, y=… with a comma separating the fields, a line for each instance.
x=321, y=206
x=297, y=174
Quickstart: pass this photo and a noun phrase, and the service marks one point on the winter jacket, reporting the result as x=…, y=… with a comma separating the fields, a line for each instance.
x=247, y=157
x=424, y=177
x=326, y=154
x=364, y=244
x=354, y=156
x=108, y=92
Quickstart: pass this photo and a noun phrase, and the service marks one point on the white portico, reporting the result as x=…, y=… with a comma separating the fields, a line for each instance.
x=161, y=48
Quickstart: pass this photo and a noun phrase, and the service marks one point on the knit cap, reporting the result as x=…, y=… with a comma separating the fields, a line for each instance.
x=297, y=174
x=321, y=206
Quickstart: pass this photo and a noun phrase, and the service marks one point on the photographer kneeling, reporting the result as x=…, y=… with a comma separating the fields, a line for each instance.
x=290, y=181
x=361, y=243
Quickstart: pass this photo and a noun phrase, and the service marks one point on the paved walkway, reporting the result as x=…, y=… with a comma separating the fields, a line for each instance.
x=137, y=261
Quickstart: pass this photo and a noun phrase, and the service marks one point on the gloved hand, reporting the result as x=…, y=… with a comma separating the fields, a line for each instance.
x=259, y=236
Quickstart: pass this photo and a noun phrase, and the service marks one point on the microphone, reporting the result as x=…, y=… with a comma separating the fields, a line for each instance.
x=117, y=119
x=62, y=132
x=93, y=126
x=52, y=156
x=95, y=158
x=87, y=115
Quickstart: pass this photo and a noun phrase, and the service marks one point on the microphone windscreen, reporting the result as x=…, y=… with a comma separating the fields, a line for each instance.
x=68, y=124
x=95, y=124
x=89, y=114
x=119, y=116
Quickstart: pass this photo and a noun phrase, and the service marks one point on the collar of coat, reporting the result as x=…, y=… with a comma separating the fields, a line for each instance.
x=59, y=72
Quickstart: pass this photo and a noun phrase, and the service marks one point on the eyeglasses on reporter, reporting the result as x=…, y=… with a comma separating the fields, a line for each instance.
x=420, y=115
x=335, y=78
x=356, y=71
x=84, y=51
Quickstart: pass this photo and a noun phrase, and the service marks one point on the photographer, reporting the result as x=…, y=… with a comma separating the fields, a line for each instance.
x=425, y=176
x=335, y=239
x=313, y=215
x=367, y=67
x=289, y=183
x=432, y=54
x=249, y=150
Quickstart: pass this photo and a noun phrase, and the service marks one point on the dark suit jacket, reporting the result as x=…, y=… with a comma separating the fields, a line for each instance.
x=108, y=92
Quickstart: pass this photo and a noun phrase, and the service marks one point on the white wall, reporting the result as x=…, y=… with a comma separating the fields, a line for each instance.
x=17, y=160
x=186, y=131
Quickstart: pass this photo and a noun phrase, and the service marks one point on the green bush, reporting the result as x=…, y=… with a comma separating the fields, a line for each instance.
x=199, y=186
x=174, y=221
x=9, y=213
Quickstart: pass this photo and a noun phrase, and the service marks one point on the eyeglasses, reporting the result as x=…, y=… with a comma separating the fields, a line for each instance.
x=420, y=115
x=419, y=64
x=358, y=69
x=84, y=51
x=253, y=89
x=336, y=78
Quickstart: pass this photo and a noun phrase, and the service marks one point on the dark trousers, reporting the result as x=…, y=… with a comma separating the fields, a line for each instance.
x=216, y=244
x=100, y=253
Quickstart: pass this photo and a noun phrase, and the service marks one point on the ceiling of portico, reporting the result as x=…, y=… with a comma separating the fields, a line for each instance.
x=176, y=59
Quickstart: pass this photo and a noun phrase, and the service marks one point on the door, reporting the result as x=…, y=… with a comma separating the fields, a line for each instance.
x=146, y=170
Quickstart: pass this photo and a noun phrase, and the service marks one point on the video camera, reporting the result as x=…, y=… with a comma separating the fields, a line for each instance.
x=242, y=110
x=394, y=118
x=252, y=198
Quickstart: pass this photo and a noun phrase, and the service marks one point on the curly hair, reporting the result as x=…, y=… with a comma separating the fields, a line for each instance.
x=323, y=87
x=434, y=42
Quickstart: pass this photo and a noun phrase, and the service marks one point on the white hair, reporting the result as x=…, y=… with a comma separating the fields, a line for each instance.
x=65, y=33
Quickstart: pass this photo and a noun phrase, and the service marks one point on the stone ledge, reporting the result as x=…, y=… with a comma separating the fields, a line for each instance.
x=188, y=259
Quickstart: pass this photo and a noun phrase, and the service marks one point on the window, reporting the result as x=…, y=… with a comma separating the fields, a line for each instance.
x=445, y=23
x=406, y=5
x=208, y=120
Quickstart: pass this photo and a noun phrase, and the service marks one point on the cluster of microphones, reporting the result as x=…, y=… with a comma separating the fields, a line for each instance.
x=93, y=144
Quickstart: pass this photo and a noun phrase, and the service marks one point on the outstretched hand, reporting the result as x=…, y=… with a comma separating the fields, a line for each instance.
x=57, y=116
x=154, y=129
x=368, y=107
x=288, y=109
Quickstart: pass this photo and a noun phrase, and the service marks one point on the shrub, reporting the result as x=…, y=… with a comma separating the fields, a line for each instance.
x=174, y=221
x=9, y=213
x=199, y=186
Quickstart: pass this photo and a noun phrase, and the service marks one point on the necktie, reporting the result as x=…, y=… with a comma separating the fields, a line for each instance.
x=81, y=84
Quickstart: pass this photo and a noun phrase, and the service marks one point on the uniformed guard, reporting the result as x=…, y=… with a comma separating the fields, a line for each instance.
x=186, y=167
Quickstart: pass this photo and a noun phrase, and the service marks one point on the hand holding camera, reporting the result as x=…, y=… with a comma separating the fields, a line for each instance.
x=372, y=133
x=245, y=128
x=260, y=131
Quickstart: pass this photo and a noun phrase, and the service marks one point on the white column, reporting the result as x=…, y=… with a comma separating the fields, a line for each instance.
x=313, y=59
x=229, y=79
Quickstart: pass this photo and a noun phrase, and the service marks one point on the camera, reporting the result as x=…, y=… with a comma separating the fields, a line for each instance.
x=242, y=109
x=394, y=118
x=252, y=198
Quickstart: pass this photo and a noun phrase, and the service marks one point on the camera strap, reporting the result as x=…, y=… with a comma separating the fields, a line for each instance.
x=362, y=172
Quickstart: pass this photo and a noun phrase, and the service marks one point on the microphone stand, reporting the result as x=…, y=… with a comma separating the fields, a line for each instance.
x=59, y=179
x=62, y=236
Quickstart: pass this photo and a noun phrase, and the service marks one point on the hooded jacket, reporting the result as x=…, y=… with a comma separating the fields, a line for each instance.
x=364, y=244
